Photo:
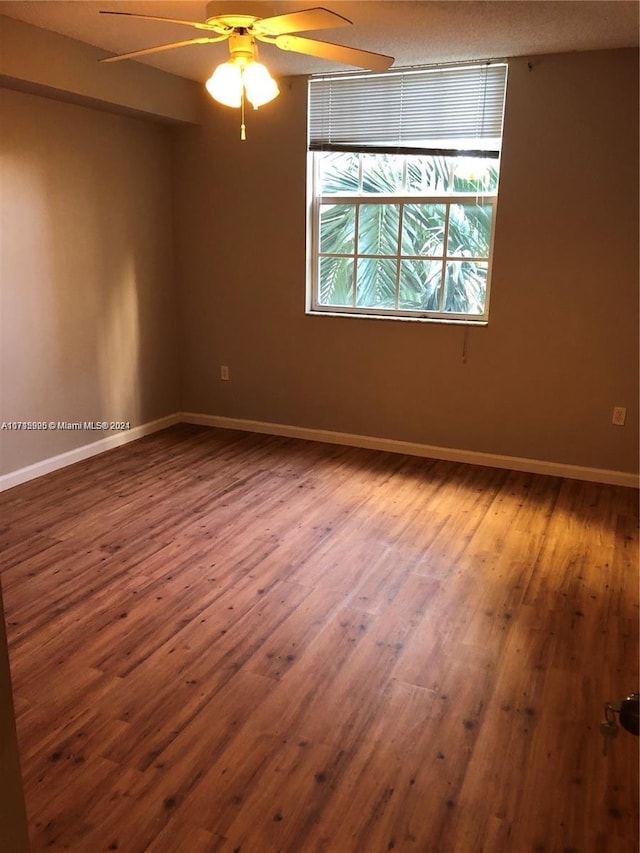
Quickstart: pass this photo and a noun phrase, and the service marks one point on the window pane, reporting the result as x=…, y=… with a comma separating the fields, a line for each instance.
x=423, y=229
x=378, y=229
x=382, y=173
x=465, y=287
x=475, y=174
x=469, y=230
x=336, y=281
x=420, y=284
x=339, y=172
x=337, y=228
x=376, y=283
x=428, y=174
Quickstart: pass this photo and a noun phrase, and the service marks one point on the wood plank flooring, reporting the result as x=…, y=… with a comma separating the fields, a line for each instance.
x=228, y=642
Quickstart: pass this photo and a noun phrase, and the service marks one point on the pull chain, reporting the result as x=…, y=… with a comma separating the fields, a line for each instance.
x=243, y=129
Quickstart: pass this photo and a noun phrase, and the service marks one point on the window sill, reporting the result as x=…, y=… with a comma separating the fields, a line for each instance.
x=402, y=319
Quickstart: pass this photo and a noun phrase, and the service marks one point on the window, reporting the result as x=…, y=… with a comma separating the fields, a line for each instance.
x=404, y=171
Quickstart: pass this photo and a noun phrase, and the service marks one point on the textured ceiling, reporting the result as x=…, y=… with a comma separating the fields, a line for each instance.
x=415, y=33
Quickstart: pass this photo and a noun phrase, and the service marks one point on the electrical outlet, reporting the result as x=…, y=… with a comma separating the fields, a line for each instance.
x=619, y=415
x=224, y=371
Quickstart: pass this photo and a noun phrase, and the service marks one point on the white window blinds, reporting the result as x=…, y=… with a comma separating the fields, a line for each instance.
x=444, y=110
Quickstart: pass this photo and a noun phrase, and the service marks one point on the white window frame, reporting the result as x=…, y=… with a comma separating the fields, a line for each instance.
x=446, y=199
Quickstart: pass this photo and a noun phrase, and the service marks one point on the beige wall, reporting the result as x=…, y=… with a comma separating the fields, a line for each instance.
x=33, y=59
x=561, y=347
x=90, y=297
x=87, y=328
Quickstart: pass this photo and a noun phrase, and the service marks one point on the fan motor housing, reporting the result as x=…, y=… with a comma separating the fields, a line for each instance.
x=237, y=14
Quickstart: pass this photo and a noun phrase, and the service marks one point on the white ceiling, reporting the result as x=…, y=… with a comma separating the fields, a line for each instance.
x=415, y=33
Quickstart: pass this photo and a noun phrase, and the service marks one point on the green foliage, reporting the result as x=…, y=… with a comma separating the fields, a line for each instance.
x=423, y=229
x=465, y=287
x=381, y=177
x=469, y=230
x=378, y=229
x=336, y=281
x=419, y=285
x=376, y=285
x=340, y=173
x=428, y=174
x=337, y=228
x=393, y=253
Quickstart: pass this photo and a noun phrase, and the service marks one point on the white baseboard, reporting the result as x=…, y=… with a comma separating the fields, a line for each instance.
x=449, y=454
x=38, y=469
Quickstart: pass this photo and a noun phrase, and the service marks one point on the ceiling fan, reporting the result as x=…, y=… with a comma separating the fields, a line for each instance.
x=244, y=26
x=242, y=74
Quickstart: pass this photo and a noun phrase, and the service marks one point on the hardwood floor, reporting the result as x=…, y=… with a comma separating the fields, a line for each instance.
x=228, y=642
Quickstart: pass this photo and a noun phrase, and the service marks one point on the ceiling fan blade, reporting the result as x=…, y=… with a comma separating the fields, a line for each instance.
x=296, y=22
x=147, y=50
x=335, y=52
x=196, y=24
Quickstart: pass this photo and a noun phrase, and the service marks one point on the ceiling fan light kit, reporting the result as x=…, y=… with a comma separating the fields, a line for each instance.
x=242, y=75
x=231, y=79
